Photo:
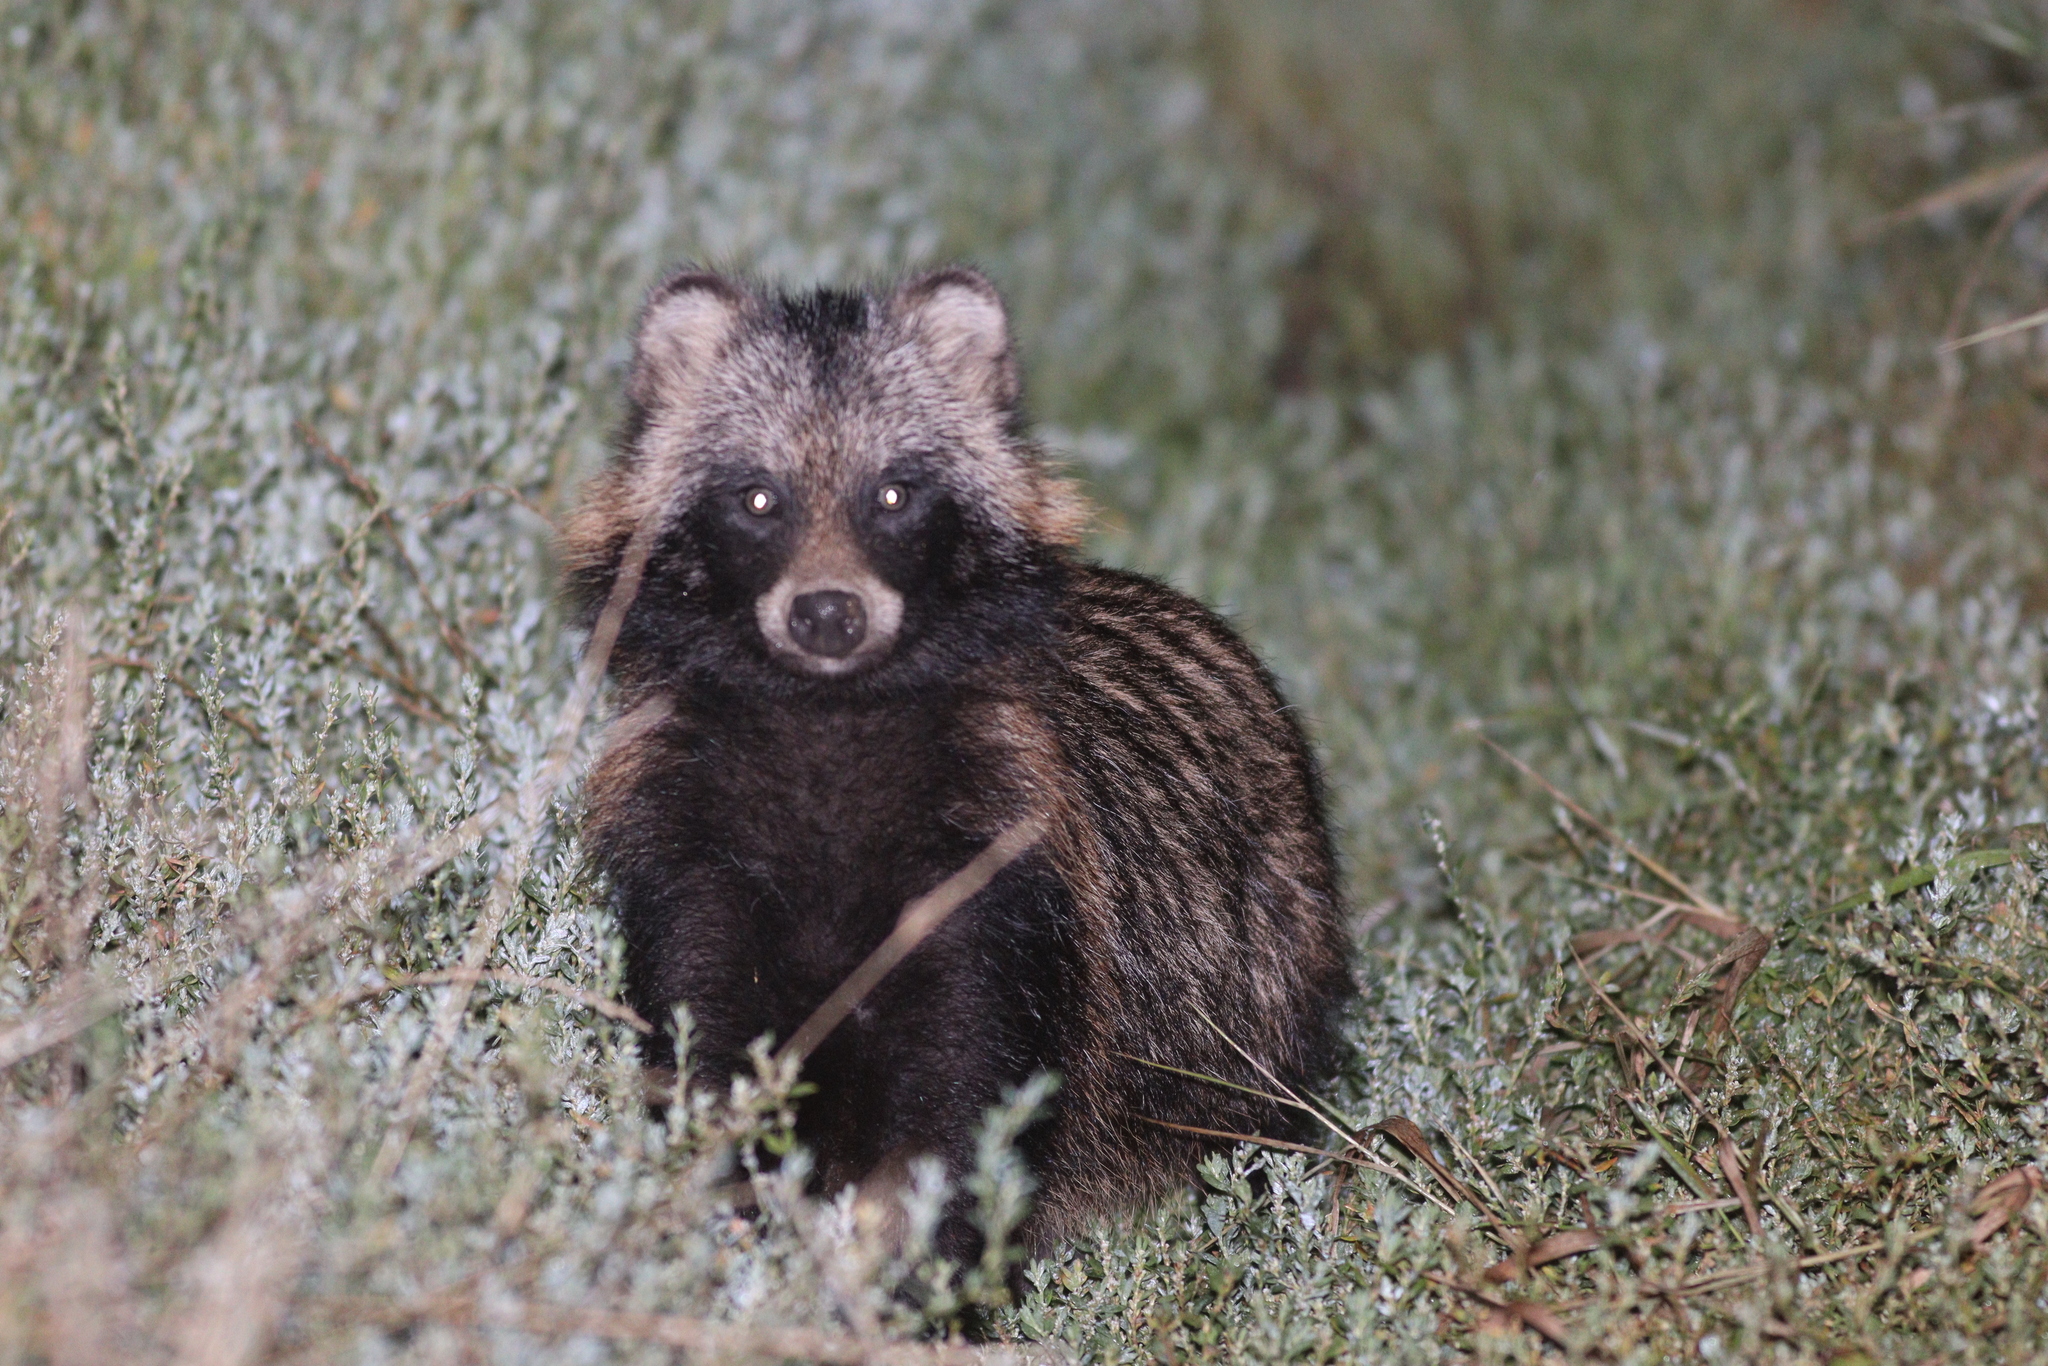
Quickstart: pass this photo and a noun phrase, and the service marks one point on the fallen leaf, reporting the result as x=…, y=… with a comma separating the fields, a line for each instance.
x=2002, y=1198
x=1557, y=1246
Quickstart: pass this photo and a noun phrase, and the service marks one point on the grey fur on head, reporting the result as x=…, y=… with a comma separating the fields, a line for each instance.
x=715, y=366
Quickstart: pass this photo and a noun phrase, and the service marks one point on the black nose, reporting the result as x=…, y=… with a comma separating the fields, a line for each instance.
x=828, y=623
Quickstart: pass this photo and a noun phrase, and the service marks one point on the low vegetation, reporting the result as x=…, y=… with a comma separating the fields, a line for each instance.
x=1582, y=404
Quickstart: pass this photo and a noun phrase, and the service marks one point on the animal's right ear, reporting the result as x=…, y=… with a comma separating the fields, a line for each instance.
x=685, y=321
x=959, y=317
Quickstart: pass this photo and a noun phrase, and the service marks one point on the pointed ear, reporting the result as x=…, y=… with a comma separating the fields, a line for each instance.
x=959, y=318
x=684, y=322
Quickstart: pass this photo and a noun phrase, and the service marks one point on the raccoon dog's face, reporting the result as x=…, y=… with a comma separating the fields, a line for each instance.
x=838, y=485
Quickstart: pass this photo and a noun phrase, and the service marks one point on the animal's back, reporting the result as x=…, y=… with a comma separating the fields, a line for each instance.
x=1187, y=826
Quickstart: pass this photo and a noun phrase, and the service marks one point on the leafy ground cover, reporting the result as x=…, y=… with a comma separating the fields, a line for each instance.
x=1553, y=391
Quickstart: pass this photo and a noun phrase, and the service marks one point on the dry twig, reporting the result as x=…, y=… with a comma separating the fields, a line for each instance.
x=380, y=511
x=532, y=804
x=1971, y=189
x=918, y=920
x=603, y=1005
x=715, y=1341
x=1670, y=879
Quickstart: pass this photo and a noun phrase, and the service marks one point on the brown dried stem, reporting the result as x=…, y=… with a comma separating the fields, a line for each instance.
x=380, y=510
x=918, y=920
x=603, y=1005
x=1959, y=309
x=714, y=1341
x=532, y=805
x=1670, y=879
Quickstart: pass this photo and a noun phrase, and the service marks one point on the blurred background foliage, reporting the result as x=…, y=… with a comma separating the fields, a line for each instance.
x=1568, y=366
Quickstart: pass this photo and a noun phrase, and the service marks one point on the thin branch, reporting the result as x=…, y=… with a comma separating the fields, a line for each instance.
x=1993, y=333
x=228, y=714
x=291, y=920
x=1283, y=1101
x=1335, y=1123
x=1530, y=1313
x=2028, y=196
x=603, y=1005
x=1671, y=879
x=380, y=510
x=1721, y=1280
x=1971, y=189
x=1367, y=1161
x=532, y=805
x=514, y=494
x=1409, y=1135
x=235, y=1287
x=1341, y=1124
x=1372, y=1163
x=1349, y=1139
x=1636, y=1032
x=60, y=1015
x=1656, y=1056
x=714, y=1341
x=918, y=920
x=1719, y=925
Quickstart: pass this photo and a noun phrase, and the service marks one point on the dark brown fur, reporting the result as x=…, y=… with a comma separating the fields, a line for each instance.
x=764, y=813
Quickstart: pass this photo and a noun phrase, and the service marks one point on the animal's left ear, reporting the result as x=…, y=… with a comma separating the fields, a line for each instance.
x=958, y=316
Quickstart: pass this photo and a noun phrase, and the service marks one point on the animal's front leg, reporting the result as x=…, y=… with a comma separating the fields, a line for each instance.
x=690, y=943
x=881, y=1206
x=969, y=1016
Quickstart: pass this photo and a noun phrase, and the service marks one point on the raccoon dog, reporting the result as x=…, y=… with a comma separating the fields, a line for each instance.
x=863, y=646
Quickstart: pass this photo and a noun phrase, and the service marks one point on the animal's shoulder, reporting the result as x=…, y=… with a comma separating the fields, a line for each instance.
x=1126, y=639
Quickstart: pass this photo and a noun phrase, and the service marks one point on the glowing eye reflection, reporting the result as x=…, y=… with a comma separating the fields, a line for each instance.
x=893, y=496
x=760, y=502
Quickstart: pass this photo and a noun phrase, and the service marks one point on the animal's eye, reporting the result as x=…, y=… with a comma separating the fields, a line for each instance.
x=760, y=502
x=892, y=497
